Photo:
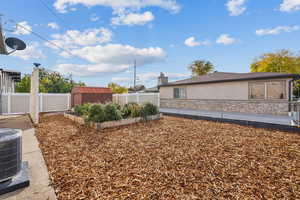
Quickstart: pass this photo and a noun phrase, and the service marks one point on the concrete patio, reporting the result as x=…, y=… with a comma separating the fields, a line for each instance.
x=276, y=120
x=40, y=187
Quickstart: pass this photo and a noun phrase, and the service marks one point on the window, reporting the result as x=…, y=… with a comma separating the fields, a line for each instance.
x=276, y=90
x=267, y=90
x=179, y=93
x=257, y=90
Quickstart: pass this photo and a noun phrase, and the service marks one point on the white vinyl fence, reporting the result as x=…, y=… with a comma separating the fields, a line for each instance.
x=17, y=103
x=139, y=98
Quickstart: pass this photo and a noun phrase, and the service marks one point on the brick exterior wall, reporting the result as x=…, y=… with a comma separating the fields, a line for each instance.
x=243, y=106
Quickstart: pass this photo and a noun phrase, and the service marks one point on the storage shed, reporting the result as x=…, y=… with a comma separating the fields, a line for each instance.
x=82, y=95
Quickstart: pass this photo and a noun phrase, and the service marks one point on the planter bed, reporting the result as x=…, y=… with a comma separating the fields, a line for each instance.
x=110, y=124
x=169, y=159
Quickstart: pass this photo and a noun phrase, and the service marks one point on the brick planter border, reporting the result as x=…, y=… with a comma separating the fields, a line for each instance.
x=110, y=124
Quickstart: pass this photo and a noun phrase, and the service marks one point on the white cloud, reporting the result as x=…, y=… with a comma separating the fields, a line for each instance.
x=53, y=25
x=277, y=30
x=23, y=28
x=289, y=5
x=121, y=79
x=31, y=52
x=236, y=7
x=74, y=38
x=131, y=19
x=90, y=69
x=225, y=39
x=120, y=54
x=94, y=18
x=191, y=42
x=111, y=58
x=64, y=5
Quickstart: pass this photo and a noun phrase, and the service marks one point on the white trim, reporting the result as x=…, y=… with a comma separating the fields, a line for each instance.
x=41, y=102
x=69, y=103
x=9, y=103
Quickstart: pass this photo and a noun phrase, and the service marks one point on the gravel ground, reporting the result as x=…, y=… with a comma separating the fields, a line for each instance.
x=172, y=158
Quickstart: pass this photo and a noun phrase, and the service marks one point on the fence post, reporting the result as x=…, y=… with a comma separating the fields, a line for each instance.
x=126, y=99
x=8, y=103
x=41, y=102
x=137, y=98
x=158, y=100
x=68, y=105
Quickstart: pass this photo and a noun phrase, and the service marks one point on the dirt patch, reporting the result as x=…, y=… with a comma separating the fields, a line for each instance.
x=172, y=158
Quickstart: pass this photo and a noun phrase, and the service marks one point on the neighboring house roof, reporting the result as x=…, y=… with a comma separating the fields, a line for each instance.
x=229, y=77
x=91, y=90
x=16, y=76
x=152, y=89
x=137, y=88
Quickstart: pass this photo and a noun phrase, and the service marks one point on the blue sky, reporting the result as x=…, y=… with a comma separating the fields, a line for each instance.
x=100, y=39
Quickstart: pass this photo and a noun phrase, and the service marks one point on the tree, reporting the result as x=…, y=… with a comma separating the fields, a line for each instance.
x=117, y=89
x=201, y=67
x=283, y=61
x=50, y=82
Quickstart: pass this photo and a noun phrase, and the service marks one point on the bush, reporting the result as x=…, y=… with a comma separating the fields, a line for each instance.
x=131, y=110
x=82, y=110
x=96, y=113
x=112, y=113
x=148, y=109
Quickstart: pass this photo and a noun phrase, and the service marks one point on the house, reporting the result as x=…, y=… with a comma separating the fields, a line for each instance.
x=258, y=93
x=8, y=80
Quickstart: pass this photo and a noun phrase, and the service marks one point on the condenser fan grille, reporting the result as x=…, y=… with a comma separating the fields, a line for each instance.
x=10, y=153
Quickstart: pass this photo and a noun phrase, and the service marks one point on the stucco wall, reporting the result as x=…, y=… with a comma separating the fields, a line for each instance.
x=238, y=90
x=226, y=96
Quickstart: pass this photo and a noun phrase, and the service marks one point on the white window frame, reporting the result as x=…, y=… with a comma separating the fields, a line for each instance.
x=182, y=93
x=266, y=89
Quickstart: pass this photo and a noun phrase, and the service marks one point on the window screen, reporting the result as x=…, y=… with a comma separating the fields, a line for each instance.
x=179, y=93
x=257, y=90
x=276, y=90
x=267, y=90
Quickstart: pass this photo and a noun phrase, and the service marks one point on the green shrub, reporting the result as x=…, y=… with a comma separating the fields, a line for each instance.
x=82, y=110
x=131, y=110
x=118, y=106
x=96, y=113
x=148, y=109
x=112, y=113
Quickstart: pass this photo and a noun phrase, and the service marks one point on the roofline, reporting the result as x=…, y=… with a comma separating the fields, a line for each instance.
x=294, y=76
x=16, y=76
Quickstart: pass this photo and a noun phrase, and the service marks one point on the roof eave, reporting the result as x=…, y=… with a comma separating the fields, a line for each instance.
x=293, y=76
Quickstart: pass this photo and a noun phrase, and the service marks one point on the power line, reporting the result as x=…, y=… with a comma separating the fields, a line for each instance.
x=54, y=14
x=41, y=37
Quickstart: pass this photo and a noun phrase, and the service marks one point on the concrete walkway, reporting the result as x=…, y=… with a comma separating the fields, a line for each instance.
x=271, y=119
x=39, y=188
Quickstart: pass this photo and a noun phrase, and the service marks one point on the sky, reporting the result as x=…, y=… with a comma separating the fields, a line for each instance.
x=97, y=41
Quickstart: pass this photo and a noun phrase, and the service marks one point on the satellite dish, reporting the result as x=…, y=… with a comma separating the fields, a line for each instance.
x=15, y=44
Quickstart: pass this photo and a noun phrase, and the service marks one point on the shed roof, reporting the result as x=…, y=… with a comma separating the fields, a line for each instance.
x=229, y=77
x=90, y=90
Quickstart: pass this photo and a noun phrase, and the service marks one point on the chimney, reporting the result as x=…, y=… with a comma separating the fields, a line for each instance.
x=162, y=79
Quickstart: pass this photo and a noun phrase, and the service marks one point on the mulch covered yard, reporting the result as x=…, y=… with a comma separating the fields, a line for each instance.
x=172, y=158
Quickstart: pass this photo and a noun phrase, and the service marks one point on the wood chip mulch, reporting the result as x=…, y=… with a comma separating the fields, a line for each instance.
x=172, y=158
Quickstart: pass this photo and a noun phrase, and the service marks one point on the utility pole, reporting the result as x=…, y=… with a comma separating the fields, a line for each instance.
x=134, y=75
